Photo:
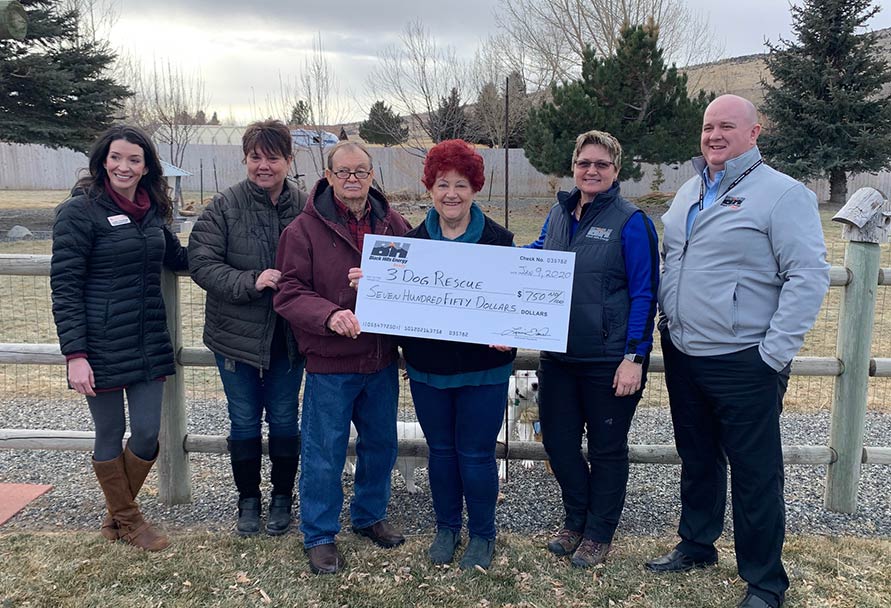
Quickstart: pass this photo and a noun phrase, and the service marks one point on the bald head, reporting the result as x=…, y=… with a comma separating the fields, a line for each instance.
x=729, y=128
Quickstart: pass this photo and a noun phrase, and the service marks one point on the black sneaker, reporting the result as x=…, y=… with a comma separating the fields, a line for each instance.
x=278, y=521
x=442, y=550
x=248, y=516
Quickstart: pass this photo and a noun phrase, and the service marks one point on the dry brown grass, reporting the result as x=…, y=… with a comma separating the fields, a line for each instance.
x=31, y=199
x=206, y=569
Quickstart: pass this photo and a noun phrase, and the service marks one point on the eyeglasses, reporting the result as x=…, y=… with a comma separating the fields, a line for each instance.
x=344, y=174
x=600, y=165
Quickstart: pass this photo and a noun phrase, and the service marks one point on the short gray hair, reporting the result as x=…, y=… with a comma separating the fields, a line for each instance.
x=348, y=144
x=599, y=138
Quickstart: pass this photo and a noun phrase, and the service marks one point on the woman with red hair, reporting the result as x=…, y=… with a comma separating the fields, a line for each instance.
x=459, y=390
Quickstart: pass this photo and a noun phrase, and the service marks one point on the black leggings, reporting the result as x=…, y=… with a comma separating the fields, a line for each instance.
x=107, y=409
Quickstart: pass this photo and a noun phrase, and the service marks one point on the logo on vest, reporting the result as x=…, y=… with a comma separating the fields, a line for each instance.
x=389, y=251
x=601, y=234
x=733, y=202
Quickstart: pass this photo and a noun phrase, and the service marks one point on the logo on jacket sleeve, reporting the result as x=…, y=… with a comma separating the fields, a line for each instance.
x=734, y=202
x=598, y=233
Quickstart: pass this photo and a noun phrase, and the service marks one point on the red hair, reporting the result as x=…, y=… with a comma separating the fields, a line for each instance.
x=457, y=155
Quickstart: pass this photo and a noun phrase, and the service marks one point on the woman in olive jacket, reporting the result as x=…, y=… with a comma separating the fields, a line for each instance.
x=232, y=250
x=110, y=242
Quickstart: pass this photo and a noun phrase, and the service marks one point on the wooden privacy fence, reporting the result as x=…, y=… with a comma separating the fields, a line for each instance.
x=844, y=456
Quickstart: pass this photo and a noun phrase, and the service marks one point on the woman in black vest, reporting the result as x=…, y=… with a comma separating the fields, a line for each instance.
x=110, y=242
x=459, y=390
x=595, y=386
x=232, y=251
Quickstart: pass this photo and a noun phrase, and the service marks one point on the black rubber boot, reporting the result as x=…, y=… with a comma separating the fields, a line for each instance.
x=284, y=452
x=245, y=456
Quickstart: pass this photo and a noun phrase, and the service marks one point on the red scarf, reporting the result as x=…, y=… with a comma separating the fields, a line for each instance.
x=137, y=208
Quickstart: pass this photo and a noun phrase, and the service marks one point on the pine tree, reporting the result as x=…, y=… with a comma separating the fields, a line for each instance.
x=633, y=96
x=450, y=120
x=299, y=113
x=55, y=87
x=214, y=120
x=383, y=126
x=827, y=113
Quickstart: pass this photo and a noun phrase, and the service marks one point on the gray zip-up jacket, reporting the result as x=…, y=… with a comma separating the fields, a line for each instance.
x=753, y=270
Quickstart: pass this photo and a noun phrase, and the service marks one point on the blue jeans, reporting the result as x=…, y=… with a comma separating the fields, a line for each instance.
x=250, y=391
x=330, y=402
x=461, y=426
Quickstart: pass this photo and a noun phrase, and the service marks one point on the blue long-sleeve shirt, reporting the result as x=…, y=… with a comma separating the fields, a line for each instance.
x=640, y=248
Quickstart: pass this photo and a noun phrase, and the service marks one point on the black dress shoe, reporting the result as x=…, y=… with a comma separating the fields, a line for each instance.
x=675, y=561
x=325, y=559
x=381, y=534
x=753, y=601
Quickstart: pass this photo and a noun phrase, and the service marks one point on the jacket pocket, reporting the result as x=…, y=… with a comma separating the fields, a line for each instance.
x=734, y=312
x=346, y=298
x=707, y=306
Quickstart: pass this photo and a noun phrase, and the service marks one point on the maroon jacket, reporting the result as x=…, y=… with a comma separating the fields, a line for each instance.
x=315, y=253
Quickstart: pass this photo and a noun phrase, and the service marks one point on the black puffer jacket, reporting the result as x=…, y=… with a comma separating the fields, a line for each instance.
x=106, y=284
x=233, y=241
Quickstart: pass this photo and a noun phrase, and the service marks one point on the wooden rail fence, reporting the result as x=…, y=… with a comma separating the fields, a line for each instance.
x=844, y=456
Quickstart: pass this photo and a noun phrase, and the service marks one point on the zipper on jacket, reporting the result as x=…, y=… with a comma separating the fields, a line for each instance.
x=677, y=296
x=145, y=360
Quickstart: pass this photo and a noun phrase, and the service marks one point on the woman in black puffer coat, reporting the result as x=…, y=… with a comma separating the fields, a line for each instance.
x=110, y=242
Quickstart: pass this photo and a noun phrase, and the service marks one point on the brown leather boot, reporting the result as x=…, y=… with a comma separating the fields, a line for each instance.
x=137, y=470
x=131, y=527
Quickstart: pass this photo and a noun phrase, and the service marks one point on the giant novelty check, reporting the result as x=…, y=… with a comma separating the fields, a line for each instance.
x=467, y=293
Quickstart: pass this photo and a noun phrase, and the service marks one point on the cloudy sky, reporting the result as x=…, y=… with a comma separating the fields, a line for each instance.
x=242, y=48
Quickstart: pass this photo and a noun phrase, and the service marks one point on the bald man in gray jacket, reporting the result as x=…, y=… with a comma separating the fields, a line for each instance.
x=744, y=275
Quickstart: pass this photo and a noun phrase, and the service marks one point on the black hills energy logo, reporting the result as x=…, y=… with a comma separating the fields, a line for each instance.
x=389, y=251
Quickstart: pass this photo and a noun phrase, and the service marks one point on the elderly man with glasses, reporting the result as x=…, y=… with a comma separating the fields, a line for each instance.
x=351, y=376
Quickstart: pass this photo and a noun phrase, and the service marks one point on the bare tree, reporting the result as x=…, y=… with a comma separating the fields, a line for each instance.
x=416, y=75
x=95, y=19
x=494, y=77
x=322, y=95
x=555, y=33
x=138, y=108
x=175, y=97
x=314, y=90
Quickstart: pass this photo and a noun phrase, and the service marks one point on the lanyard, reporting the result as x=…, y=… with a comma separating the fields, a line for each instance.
x=732, y=185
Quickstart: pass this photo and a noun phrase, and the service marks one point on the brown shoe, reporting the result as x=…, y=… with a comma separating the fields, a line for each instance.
x=590, y=553
x=381, y=534
x=325, y=559
x=136, y=470
x=131, y=526
x=565, y=542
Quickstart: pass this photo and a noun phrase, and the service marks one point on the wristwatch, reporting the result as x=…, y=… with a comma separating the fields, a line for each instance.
x=634, y=358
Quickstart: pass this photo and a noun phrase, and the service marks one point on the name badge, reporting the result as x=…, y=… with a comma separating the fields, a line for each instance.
x=118, y=220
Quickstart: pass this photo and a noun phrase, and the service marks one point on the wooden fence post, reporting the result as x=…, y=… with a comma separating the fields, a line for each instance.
x=174, y=472
x=865, y=227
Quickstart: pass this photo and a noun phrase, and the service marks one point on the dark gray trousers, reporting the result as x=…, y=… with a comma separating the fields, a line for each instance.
x=144, y=406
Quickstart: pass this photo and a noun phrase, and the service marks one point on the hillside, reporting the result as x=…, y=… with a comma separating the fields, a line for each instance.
x=742, y=75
